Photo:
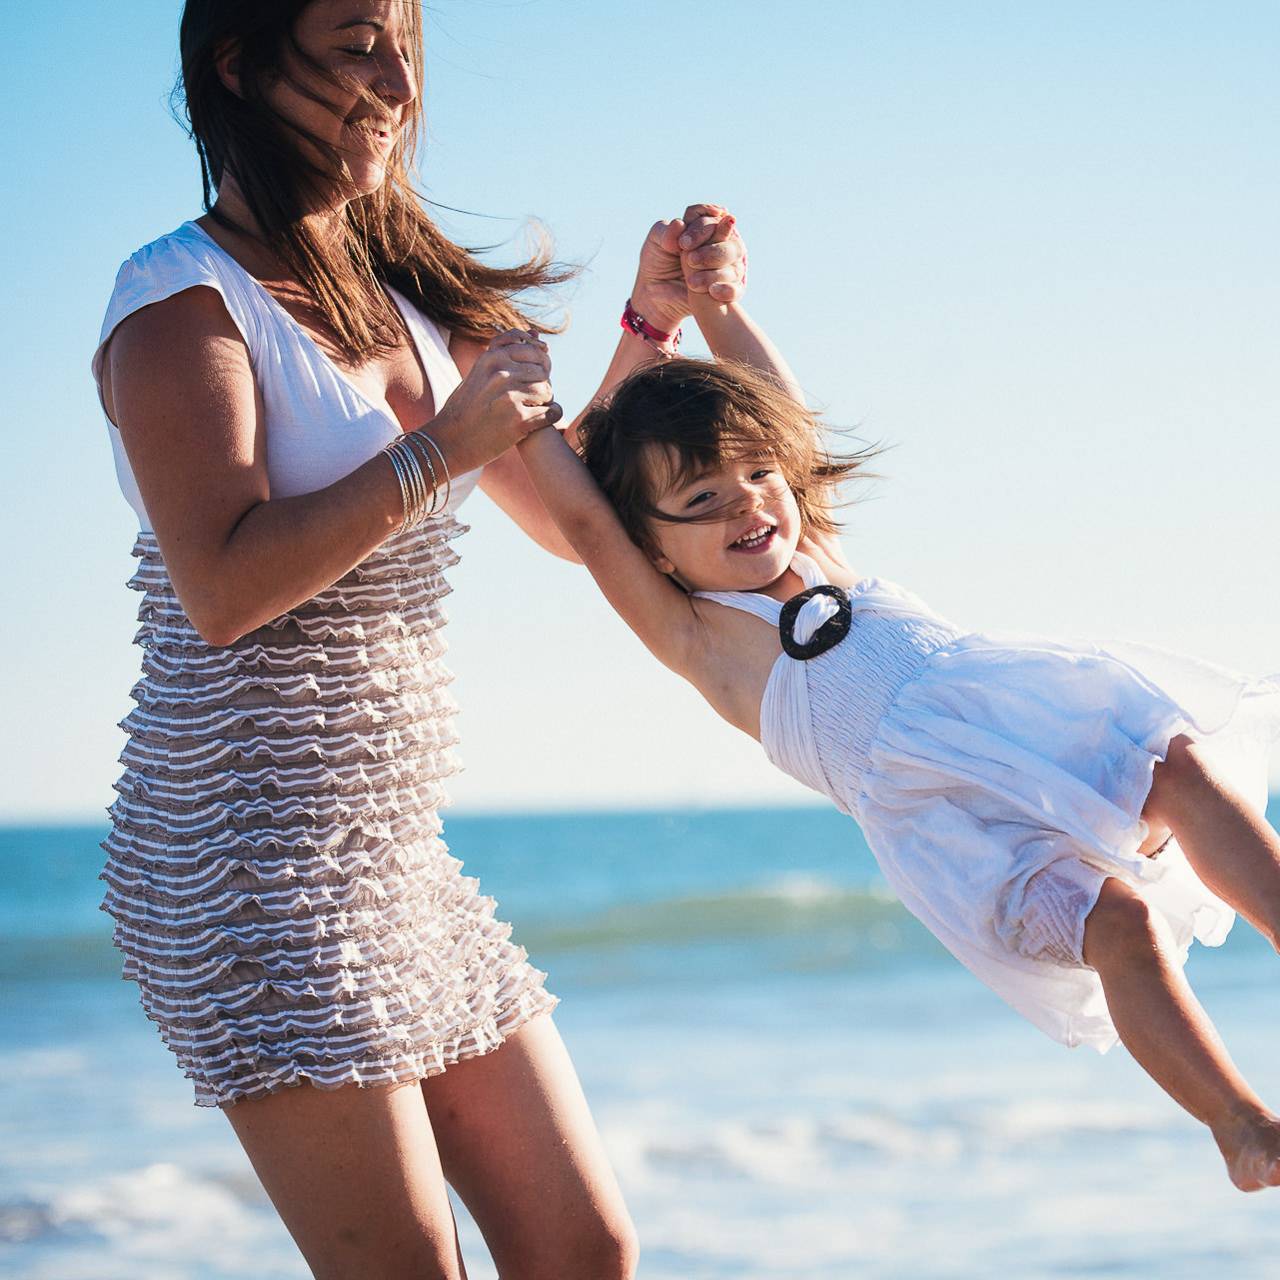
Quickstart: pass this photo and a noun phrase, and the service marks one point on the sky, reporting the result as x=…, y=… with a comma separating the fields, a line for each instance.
x=1030, y=245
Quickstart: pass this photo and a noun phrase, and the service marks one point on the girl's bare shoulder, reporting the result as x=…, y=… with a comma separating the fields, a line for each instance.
x=827, y=551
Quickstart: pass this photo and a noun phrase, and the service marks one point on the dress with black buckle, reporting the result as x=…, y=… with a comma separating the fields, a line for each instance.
x=828, y=635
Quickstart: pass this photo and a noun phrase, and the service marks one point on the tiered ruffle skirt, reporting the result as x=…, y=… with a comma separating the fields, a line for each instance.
x=276, y=873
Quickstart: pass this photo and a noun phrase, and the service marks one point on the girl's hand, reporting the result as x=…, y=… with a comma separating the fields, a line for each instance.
x=699, y=253
x=505, y=395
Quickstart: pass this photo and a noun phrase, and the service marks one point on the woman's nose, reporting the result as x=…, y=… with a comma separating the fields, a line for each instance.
x=396, y=81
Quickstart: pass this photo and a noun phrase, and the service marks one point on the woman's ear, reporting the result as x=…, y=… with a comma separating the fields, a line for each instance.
x=226, y=61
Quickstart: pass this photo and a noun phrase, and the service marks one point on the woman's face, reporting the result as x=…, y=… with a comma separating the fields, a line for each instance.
x=364, y=45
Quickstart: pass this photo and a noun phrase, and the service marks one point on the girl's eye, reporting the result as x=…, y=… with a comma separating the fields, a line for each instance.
x=697, y=498
x=359, y=53
x=760, y=475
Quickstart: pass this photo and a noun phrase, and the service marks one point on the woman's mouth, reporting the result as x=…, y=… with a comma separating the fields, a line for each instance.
x=756, y=539
x=382, y=135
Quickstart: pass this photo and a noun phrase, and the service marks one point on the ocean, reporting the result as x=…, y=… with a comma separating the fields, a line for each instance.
x=793, y=1080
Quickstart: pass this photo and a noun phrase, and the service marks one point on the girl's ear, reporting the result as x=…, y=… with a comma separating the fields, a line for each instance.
x=659, y=561
x=226, y=62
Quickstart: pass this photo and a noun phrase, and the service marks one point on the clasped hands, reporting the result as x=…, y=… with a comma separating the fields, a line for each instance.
x=700, y=252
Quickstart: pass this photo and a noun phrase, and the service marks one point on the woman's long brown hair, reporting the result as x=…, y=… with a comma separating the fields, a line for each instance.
x=387, y=236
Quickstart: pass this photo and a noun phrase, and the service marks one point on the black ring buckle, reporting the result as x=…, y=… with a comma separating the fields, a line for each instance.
x=828, y=635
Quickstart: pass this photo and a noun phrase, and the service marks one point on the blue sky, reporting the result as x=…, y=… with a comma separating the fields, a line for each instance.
x=1032, y=245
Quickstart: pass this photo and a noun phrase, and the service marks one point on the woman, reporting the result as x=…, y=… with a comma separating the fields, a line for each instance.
x=280, y=889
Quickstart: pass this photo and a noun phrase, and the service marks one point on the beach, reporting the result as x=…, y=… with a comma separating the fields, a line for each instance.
x=792, y=1078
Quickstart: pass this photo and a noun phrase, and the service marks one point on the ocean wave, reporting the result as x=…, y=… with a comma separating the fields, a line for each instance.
x=78, y=953
x=865, y=920
x=789, y=906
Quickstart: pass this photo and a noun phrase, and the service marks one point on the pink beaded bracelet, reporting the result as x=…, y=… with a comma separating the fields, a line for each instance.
x=633, y=322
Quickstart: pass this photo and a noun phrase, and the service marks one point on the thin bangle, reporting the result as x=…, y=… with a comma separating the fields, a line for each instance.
x=413, y=487
x=398, y=467
x=415, y=442
x=448, y=478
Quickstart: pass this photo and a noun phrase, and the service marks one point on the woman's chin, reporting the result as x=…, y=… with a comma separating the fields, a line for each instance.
x=364, y=178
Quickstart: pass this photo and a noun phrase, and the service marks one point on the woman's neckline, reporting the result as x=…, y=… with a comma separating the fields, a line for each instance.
x=383, y=411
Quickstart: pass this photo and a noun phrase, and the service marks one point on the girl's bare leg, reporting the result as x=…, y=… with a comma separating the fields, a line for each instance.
x=356, y=1178
x=1231, y=846
x=1170, y=1036
x=519, y=1146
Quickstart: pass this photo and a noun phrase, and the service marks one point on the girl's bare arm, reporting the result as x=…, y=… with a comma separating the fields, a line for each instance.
x=681, y=258
x=647, y=601
x=506, y=479
x=733, y=335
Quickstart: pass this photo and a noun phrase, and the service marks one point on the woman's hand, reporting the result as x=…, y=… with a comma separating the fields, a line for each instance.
x=699, y=253
x=505, y=395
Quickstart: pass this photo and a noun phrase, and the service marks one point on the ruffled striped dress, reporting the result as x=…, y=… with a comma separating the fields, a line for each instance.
x=276, y=871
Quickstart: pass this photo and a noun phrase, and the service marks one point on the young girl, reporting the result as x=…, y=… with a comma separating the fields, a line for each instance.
x=1064, y=818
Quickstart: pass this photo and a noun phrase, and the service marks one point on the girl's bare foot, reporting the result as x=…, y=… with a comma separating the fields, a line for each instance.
x=1251, y=1147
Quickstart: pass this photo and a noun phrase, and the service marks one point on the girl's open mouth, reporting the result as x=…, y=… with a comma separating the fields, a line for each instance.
x=756, y=539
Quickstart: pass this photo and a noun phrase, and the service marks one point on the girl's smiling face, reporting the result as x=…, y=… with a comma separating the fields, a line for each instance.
x=748, y=541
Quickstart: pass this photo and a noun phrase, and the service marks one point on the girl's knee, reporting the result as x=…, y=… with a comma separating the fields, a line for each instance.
x=1121, y=927
x=1174, y=777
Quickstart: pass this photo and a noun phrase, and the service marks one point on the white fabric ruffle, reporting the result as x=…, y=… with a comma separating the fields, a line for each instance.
x=275, y=870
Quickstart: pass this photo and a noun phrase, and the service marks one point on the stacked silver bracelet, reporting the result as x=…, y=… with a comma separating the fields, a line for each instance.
x=407, y=453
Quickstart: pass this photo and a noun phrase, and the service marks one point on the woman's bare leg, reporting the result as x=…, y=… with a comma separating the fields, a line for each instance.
x=1230, y=845
x=519, y=1146
x=1170, y=1036
x=356, y=1178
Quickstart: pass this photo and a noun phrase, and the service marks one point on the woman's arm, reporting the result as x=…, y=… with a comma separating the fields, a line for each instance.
x=179, y=385
x=647, y=601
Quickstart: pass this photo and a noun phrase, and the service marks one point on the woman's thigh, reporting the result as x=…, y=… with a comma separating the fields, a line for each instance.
x=518, y=1144
x=355, y=1175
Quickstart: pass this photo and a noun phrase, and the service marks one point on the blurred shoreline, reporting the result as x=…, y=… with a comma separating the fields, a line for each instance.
x=791, y=1076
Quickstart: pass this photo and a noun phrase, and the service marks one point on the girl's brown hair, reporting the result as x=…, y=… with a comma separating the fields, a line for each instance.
x=386, y=237
x=672, y=421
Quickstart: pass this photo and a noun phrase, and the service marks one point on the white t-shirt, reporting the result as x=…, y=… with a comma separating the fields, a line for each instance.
x=319, y=425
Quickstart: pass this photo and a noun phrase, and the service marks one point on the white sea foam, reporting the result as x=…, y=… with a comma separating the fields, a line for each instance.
x=787, y=1149
x=1035, y=1119
x=137, y=1225
x=802, y=888
x=799, y=889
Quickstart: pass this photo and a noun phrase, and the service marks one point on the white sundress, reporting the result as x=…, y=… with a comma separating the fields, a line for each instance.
x=999, y=780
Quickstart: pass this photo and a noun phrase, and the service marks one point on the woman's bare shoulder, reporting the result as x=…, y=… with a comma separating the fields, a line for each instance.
x=179, y=339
